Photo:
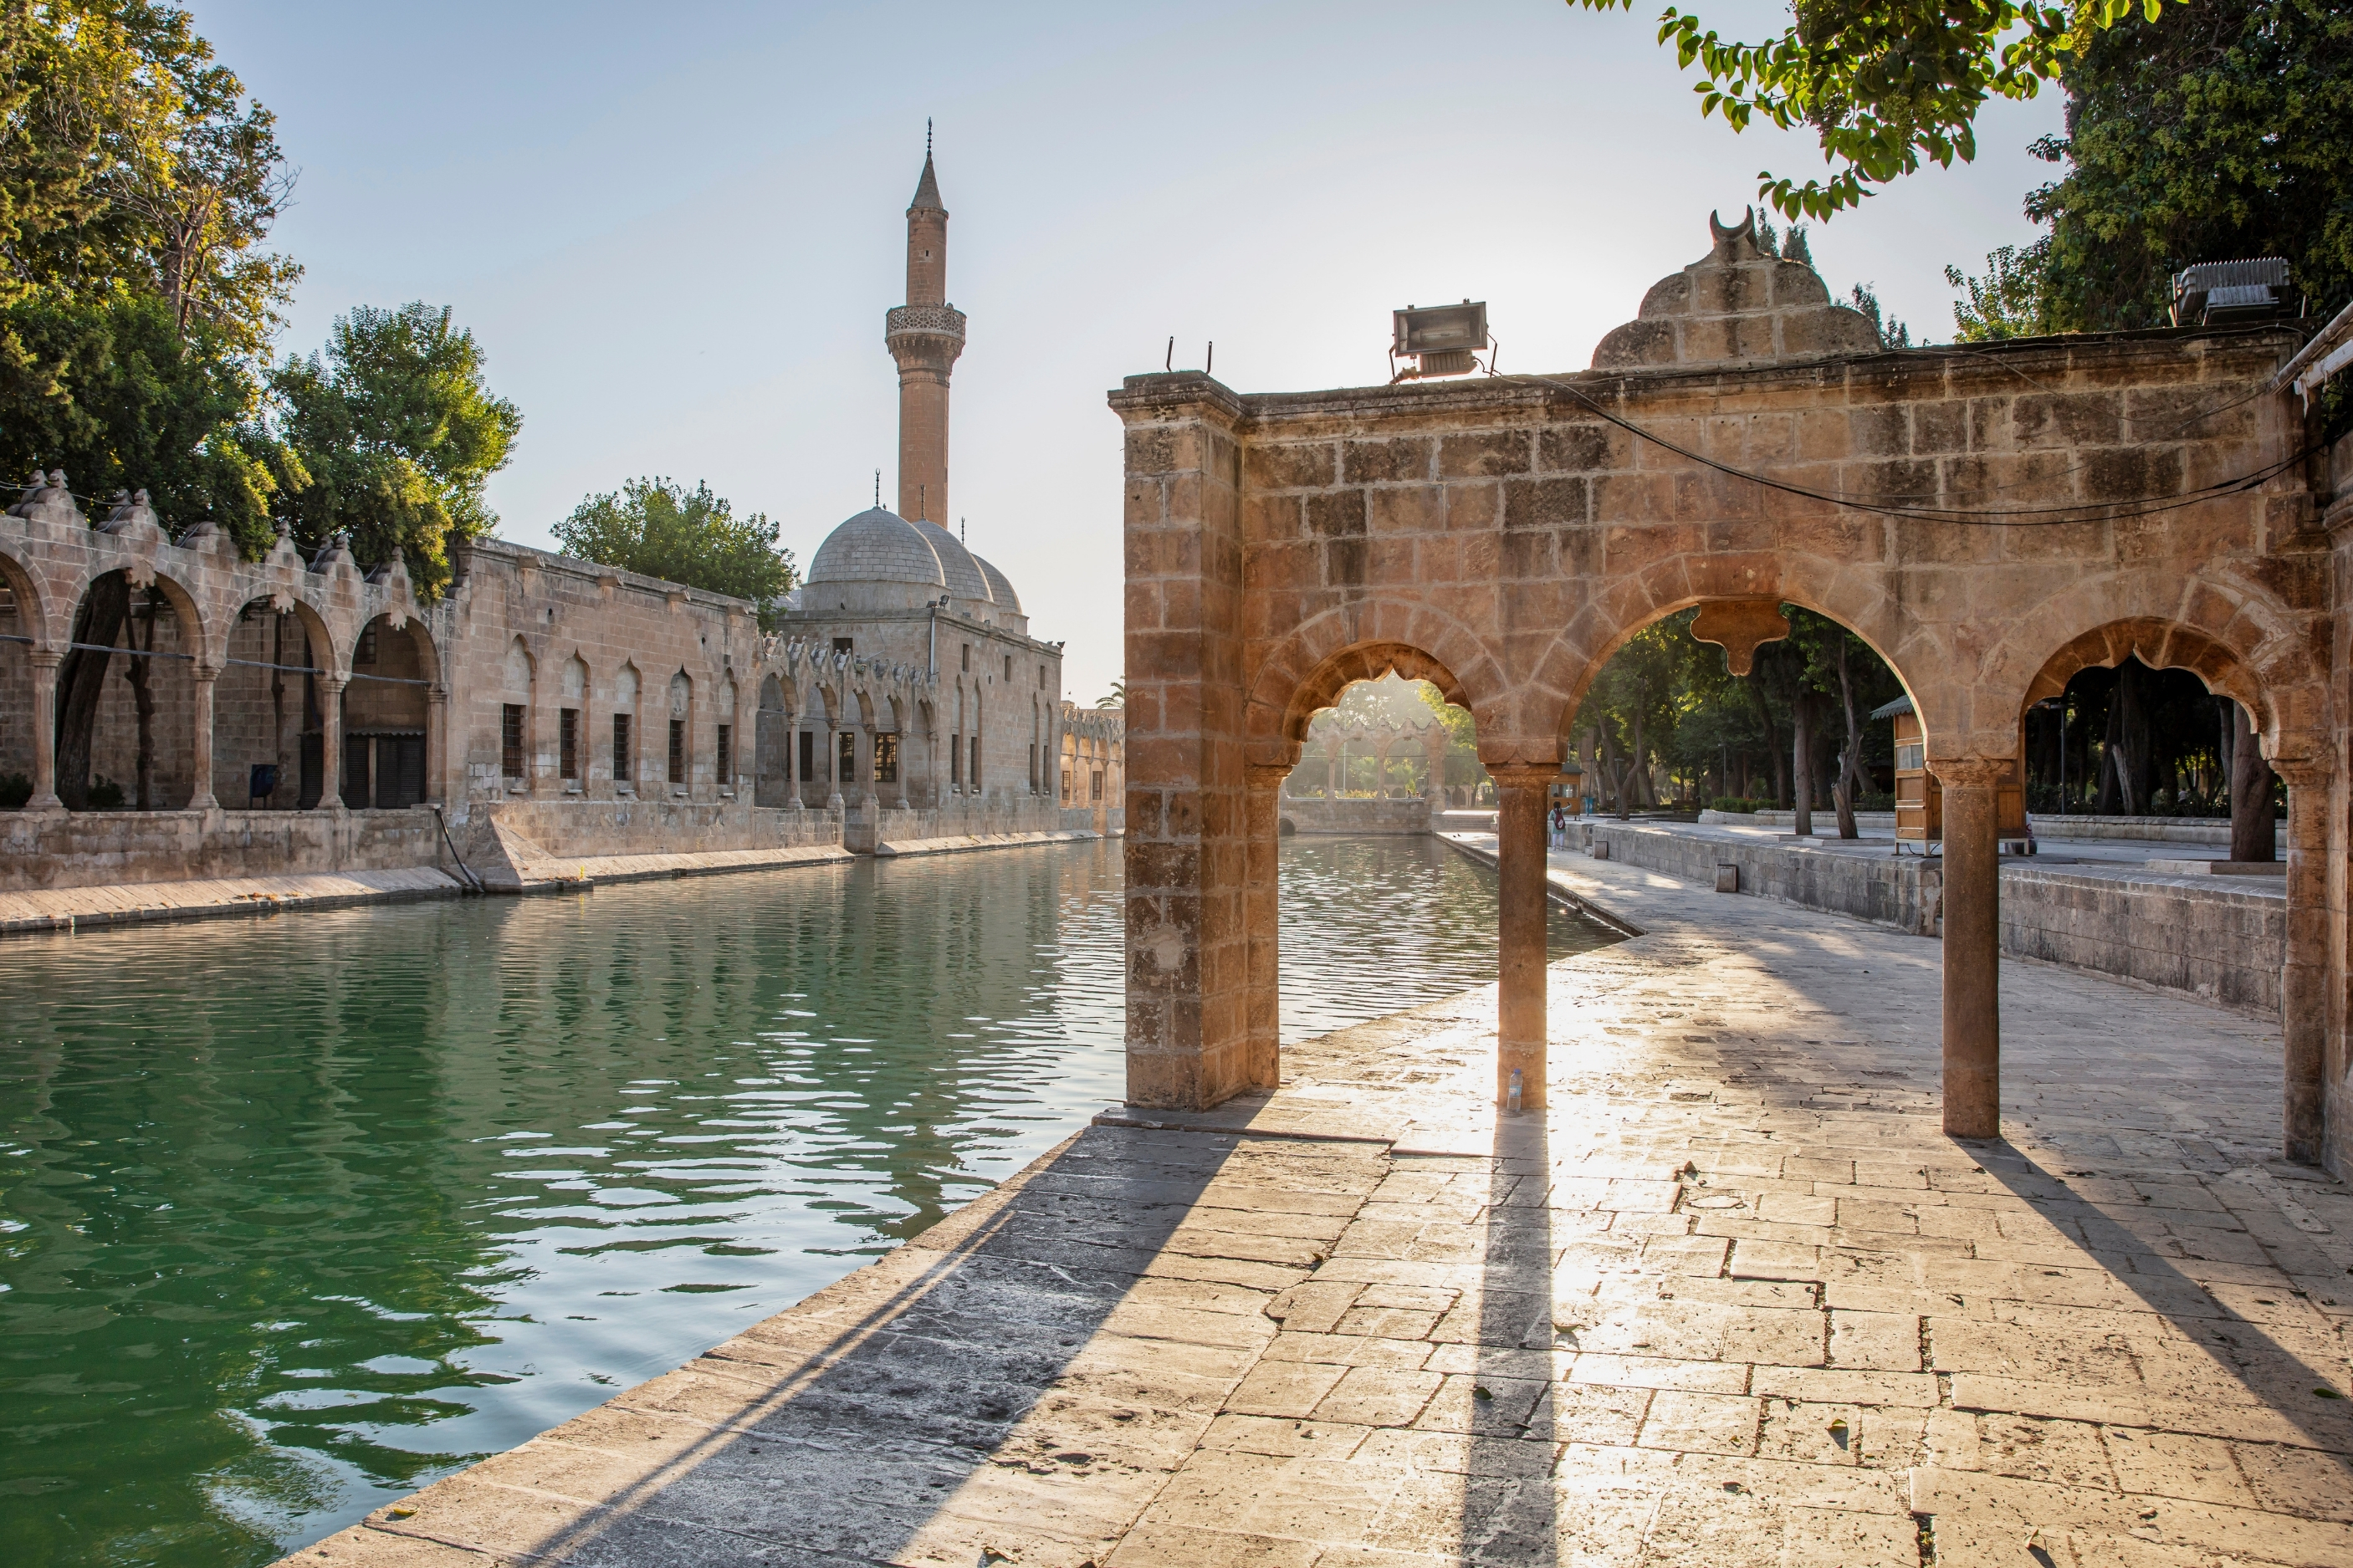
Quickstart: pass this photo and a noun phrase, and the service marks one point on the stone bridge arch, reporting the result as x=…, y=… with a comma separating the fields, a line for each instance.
x=1971, y=513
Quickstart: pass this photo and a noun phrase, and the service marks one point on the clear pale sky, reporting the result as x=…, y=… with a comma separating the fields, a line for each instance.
x=675, y=228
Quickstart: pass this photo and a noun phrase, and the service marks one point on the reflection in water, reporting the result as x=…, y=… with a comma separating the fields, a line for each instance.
x=300, y=1213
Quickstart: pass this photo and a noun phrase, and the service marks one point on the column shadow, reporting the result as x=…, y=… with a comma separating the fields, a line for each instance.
x=2277, y=1376
x=1510, y=1512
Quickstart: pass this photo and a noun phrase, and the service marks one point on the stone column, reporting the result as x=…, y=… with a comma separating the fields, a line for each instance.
x=331, y=742
x=1262, y=872
x=1972, y=949
x=44, y=662
x=436, y=741
x=2304, y=976
x=1520, y=920
x=1188, y=948
x=200, y=721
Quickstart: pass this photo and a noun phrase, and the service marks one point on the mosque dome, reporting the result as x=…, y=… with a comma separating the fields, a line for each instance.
x=1000, y=587
x=965, y=582
x=875, y=549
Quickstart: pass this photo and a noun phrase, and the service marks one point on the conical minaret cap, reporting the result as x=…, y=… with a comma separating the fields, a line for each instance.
x=927, y=190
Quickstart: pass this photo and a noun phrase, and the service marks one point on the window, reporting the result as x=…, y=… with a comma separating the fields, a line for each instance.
x=808, y=755
x=1910, y=756
x=975, y=762
x=967, y=658
x=955, y=759
x=726, y=756
x=621, y=748
x=846, y=769
x=1097, y=793
x=568, y=743
x=1066, y=787
x=511, y=741
x=677, y=750
x=843, y=645
x=366, y=654
x=1041, y=678
x=1009, y=668
x=886, y=759
x=1033, y=767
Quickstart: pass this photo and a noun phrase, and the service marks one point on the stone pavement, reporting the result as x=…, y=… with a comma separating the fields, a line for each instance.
x=65, y=909
x=1734, y=1300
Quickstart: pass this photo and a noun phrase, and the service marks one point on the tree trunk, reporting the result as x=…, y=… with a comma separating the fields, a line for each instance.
x=2254, y=831
x=1850, y=766
x=1801, y=759
x=142, y=701
x=1772, y=737
x=82, y=683
x=1643, y=794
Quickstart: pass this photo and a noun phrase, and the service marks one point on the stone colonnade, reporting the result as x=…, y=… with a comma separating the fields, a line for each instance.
x=1989, y=522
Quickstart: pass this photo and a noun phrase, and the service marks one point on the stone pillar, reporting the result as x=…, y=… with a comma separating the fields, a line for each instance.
x=200, y=721
x=833, y=796
x=44, y=662
x=1522, y=901
x=331, y=742
x=1187, y=949
x=2304, y=976
x=436, y=741
x=1261, y=902
x=1972, y=949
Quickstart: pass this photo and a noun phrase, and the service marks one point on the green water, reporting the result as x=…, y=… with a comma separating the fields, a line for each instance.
x=298, y=1213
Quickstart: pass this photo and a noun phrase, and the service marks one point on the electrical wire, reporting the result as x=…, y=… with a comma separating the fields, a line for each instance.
x=2057, y=516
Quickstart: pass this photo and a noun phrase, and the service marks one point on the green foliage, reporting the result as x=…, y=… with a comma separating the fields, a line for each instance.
x=1884, y=84
x=396, y=437
x=2011, y=300
x=128, y=401
x=1115, y=698
x=2222, y=129
x=663, y=529
x=137, y=186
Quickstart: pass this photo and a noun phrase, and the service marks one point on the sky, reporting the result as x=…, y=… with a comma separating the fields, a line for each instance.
x=675, y=228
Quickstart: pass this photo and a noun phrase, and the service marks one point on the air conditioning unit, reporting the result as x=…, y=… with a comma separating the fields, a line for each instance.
x=2217, y=293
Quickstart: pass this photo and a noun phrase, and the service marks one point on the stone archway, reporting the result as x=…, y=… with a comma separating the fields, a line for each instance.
x=1741, y=440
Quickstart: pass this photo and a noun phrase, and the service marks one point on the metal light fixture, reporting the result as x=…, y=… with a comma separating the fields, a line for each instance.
x=1441, y=339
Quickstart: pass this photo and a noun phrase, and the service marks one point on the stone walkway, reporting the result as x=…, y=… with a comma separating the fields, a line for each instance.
x=66, y=908
x=1734, y=1300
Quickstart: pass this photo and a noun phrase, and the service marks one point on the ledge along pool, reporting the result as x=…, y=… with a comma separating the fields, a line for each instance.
x=300, y=1213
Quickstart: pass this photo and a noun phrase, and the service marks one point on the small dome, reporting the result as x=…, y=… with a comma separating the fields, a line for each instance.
x=963, y=568
x=878, y=546
x=1000, y=587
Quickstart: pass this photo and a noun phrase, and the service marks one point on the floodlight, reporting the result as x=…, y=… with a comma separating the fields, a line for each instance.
x=1440, y=338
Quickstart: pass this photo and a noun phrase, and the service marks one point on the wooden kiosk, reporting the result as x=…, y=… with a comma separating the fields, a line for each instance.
x=1920, y=799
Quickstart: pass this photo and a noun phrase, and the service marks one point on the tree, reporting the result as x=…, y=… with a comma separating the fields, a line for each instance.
x=1115, y=698
x=2009, y=301
x=130, y=402
x=663, y=529
x=396, y=437
x=137, y=186
x=1884, y=83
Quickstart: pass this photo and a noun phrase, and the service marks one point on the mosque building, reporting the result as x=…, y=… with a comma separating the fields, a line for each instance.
x=169, y=710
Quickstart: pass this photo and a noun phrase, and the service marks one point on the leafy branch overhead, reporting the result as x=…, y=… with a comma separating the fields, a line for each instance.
x=1886, y=84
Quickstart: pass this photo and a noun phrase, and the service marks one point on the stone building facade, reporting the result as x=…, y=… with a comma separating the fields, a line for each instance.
x=1991, y=519
x=310, y=715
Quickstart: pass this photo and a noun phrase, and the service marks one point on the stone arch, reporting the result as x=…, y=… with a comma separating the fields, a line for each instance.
x=265, y=703
x=33, y=605
x=1308, y=668
x=99, y=730
x=2240, y=644
x=1851, y=596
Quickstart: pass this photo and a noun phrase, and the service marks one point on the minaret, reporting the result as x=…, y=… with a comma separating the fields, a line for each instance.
x=925, y=335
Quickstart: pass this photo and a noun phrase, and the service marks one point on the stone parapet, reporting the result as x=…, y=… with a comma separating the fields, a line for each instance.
x=1313, y=814
x=2221, y=942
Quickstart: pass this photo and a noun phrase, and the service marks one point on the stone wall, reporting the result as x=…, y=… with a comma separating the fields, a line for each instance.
x=2216, y=941
x=2045, y=824
x=1314, y=814
x=89, y=849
